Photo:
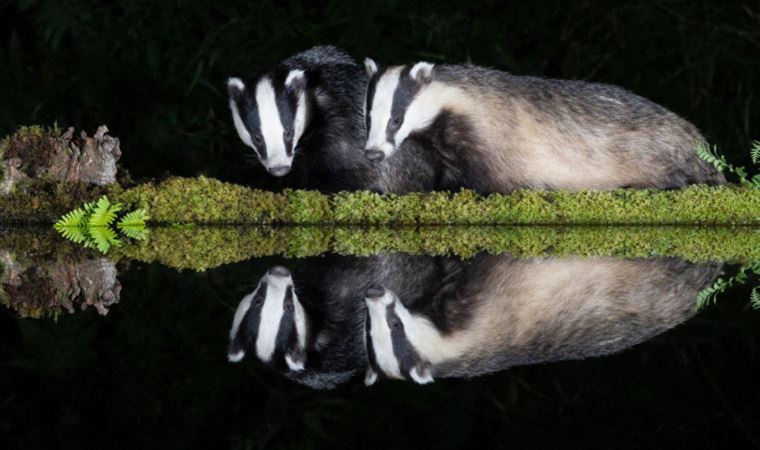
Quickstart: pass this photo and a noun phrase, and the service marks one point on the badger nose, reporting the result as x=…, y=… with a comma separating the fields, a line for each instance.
x=374, y=154
x=374, y=292
x=279, y=271
x=279, y=171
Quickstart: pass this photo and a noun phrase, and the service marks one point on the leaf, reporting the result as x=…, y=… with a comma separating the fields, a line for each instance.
x=754, y=298
x=754, y=152
x=136, y=218
x=104, y=213
x=103, y=238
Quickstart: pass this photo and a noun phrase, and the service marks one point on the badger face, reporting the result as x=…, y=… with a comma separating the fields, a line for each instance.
x=270, y=116
x=391, y=331
x=271, y=323
x=393, y=106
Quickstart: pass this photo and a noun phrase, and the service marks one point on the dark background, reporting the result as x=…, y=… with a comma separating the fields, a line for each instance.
x=153, y=373
x=154, y=72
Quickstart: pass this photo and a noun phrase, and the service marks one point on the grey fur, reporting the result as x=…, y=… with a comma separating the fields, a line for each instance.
x=637, y=143
x=488, y=302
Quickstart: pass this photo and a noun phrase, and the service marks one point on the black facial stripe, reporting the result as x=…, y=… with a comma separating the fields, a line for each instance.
x=371, y=88
x=248, y=329
x=402, y=348
x=249, y=113
x=405, y=92
x=286, y=329
x=287, y=104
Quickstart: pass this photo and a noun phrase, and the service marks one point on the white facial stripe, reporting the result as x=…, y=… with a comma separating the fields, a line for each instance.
x=380, y=334
x=425, y=107
x=245, y=136
x=271, y=315
x=271, y=125
x=300, y=121
x=380, y=110
x=293, y=365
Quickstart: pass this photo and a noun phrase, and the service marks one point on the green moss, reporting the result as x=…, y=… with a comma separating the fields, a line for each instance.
x=200, y=248
x=33, y=145
x=208, y=201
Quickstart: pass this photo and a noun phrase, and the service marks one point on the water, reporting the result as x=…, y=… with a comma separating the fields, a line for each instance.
x=529, y=350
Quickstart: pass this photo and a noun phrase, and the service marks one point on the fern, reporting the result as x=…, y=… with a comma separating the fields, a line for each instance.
x=91, y=225
x=754, y=152
x=104, y=213
x=754, y=298
x=720, y=163
x=709, y=295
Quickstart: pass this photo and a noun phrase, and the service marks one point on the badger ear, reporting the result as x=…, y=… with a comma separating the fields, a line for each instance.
x=296, y=359
x=370, y=377
x=370, y=66
x=296, y=80
x=422, y=373
x=235, y=87
x=235, y=352
x=422, y=72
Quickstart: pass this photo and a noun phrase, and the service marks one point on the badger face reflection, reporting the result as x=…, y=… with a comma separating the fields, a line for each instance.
x=393, y=338
x=271, y=323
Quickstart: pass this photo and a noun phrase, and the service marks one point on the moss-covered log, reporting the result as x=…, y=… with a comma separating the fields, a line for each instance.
x=201, y=248
x=205, y=201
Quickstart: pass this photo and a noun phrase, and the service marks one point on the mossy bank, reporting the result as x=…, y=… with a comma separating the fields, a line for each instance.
x=204, y=201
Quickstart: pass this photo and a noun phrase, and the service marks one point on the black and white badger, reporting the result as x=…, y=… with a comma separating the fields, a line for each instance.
x=496, y=312
x=311, y=328
x=496, y=132
x=311, y=104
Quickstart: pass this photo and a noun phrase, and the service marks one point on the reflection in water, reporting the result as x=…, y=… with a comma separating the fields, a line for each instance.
x=421, y=318
x=35, y=288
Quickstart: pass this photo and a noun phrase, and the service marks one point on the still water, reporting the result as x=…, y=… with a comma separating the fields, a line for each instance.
x=387, y=350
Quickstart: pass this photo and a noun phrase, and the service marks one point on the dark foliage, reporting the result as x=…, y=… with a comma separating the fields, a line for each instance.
x=154, y=71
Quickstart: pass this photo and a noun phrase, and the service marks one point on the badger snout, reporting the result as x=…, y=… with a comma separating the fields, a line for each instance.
x=374, y=154
x=279, y=271
x=279, y=171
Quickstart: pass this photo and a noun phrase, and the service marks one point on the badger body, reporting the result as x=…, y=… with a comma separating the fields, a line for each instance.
x=497, y=132
x=310, y=105
x=496, y=312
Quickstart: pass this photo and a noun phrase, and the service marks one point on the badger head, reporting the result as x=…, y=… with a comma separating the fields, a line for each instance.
x=270, y=115
x=391, y=333
x=271, y=323
x=393, y=107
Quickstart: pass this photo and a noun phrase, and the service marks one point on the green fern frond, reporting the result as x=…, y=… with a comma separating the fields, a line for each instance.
x=103, y=238
x=136, y=218
x=76, y=234
x=75, y=218
x=104, y=213
x=136, y=233
x=754, y=152
x=709, y=295
x=711, y=156
x=754, y=298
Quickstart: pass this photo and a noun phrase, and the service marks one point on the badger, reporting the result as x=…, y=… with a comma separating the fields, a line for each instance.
x=496, y=312
x=311, y=105
x=497, y=132
x=310, y=328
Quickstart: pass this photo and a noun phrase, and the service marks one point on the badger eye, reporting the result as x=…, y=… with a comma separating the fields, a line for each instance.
x=257, y=139
x=396, y=324
x=289, y=135
x=395, y=122
x=289, y=307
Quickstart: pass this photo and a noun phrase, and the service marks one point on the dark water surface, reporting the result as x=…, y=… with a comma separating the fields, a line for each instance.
x=571, y=352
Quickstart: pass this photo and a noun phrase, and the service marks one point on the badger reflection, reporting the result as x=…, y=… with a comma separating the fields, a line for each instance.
x=422, y=318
